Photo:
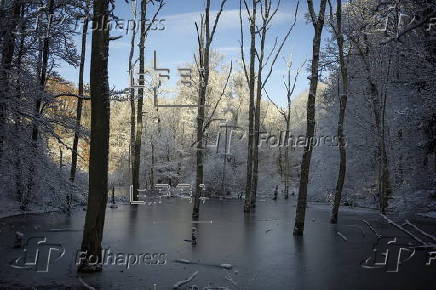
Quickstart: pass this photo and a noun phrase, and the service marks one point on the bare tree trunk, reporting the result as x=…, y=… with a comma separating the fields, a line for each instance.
x=152, y=164
x=139, y=123
x=256, y=84
x=251, y=112
x=384, y=184
x=7, y=55
x=257, y=118
x=318, y=23
x=43, y=78
x=205, y=38
x=383, y=178
x=386, y=189
x=18, y=122
x=43, y=72
x=99, y=150
x=132, y=97
x=281, y=164
x=223, y=175
x=287, y=167
x=204, y=80
x=74, y=153
x=342, y=107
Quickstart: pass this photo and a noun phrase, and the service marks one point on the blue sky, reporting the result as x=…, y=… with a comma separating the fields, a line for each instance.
x=176, y=44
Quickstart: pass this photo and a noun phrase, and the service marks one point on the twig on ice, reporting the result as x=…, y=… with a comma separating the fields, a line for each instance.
x=183, y=282
x=185, y=261
x=85, y=284
x=433, y=238
x=342, y=236
x=360, y=228
x=372, y=229
x=391, y=222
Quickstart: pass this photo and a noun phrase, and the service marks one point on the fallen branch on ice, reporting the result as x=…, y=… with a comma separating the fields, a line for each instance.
x=85, y=284
x=342, y=236
x=183, y=282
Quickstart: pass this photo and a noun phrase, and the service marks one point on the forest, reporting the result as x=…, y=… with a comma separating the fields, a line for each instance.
x=316, y=103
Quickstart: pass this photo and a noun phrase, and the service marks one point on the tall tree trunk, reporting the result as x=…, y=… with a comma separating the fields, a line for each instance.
x=342, y=107
x=139, y=123
x=287, y=167
x=79, y=100
x=199, y=153
x=132, y=97
x=6, y=65
x=43, y=73
x=18, y=121
x=257, y=111
x=152, y=164
x=205, y=37
x=251, y=111
x=310, y=126
x=99, y=150
x=383, y=178
x=223, y=175
x=44, y=54
x=255, y=144
x=386, y=189
x=204, y=80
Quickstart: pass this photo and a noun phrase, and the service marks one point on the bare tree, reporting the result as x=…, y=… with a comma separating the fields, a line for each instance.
x=132, y=92
x=257, y=82
x=99, y=150
x=139, y=124
x=318, y=24
x=86, y=16
x=290, y=88
x=44, y=55
x=377, y=92
x=139, y=112
x=42, y=70
x=205, y=37
x=8, y=47
x=337, y=29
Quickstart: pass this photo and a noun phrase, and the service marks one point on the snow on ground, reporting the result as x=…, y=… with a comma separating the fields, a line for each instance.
x=430, y=214
x=11, y=207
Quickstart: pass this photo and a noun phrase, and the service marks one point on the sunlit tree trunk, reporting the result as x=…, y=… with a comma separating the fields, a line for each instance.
x=43, y=73
x=74, y=154
x=44, y=54
x=139, y=123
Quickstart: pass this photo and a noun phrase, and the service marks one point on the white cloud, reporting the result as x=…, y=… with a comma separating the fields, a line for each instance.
x=229, y=20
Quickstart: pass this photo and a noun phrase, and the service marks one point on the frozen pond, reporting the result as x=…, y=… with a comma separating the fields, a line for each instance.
x=260, y=247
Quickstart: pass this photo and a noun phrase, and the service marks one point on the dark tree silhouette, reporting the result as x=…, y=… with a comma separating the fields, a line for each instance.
x=318, y=24
x=99, y=150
